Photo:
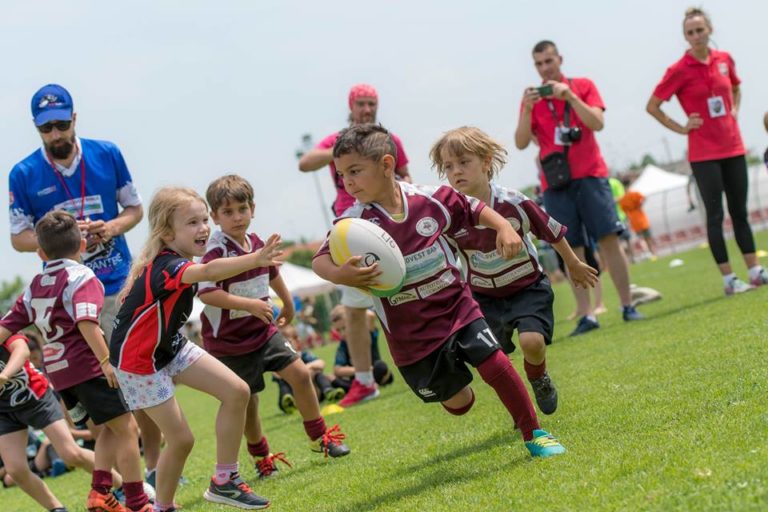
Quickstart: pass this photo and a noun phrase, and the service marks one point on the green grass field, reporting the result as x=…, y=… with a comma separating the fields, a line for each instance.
x=666, y=414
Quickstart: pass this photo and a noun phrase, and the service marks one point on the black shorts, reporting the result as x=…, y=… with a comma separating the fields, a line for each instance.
x=273, y=356
x=585, y=205
x=529, y=310
x=444, y=372
x=37, y=414
x=94, y=399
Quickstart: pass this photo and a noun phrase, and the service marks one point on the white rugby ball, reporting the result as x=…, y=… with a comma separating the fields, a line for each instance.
x=357, y=237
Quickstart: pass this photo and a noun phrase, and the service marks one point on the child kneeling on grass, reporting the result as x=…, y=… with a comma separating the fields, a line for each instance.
x=433, y=325
x=151, y=355
x=513, y=294
x=65, y=302
x=238, y=328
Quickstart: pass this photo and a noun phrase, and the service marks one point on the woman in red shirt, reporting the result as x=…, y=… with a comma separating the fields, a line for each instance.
x=707, y=87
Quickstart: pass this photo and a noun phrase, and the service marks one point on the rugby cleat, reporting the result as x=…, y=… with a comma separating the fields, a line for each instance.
x=544, y=444
x=266, y=466
x=545, y=393
x=331, y=443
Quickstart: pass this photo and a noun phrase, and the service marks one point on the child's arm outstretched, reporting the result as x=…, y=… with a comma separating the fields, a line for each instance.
x=579, y=272
x=223, y=268
x=348, y=274
x=19, y=354
x=94, y=337
x=508, y=242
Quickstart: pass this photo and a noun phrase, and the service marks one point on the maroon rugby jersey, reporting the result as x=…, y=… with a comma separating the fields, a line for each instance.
x=146, y=336
x=230, y=332
x=67, y=292
x=27, y=385
x=435, y=301
x=487, y=272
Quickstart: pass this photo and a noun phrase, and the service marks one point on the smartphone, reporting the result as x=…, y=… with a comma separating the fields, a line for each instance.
x=545, y=90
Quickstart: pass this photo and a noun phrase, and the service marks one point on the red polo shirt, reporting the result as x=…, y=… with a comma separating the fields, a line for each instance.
x=584, y=156
x=694, y=82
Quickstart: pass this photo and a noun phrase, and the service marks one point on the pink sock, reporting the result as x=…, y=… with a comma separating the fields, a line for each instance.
x=223, y=472
x=260, y=449
x=315, y=428
x=499, y=373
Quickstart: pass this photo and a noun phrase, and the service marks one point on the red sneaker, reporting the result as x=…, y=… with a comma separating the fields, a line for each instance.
x=359, y=393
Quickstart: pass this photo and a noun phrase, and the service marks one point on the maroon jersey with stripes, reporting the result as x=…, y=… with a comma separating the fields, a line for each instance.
x=486, y=271
x=67, y=292
x=435, y=301
x=146, y=336
x=28, y=384
x=230, y=332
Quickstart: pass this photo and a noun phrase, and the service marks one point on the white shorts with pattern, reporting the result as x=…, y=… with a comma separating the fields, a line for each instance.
x=144, y=391
x=352, y=297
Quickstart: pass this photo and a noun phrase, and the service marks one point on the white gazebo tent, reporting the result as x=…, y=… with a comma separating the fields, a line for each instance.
x=654, y=180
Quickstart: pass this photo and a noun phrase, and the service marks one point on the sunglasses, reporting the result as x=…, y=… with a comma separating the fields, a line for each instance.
x=62, y=126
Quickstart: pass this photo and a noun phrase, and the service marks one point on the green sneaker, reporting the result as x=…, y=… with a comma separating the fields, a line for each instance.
x=333, y=395
x=287, y=403
x=544, y=444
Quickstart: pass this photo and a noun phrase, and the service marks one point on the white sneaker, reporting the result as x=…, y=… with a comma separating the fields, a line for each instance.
x=736, y=285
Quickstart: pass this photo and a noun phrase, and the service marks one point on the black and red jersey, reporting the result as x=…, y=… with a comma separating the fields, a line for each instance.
x=26, y=385
x=146, y=334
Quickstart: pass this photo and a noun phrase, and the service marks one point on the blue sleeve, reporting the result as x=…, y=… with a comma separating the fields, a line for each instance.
x=122, y=174
x=307, y=356
x=342, y=355
x=19, y=206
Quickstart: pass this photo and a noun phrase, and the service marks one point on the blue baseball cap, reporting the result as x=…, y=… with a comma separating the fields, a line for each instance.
x=51, y=103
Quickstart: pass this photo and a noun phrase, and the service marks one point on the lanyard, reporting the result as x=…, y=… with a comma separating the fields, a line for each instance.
x=58, y=174
x=566, y=111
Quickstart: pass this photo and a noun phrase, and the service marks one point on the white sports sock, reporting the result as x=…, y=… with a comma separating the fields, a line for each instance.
x=365, y=378
x=727, y=278
x=754, y=272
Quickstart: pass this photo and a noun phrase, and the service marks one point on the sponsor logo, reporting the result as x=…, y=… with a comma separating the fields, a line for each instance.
x=403, y=297
x=442, y=282
x=515, y=223
x=49, y=100
x=86, y=310
x=482, y=282
x=59, y=365
x=425, y=263
x=47, y=190
x=427, y=226
x=78, y=413
x=426, y=392
x=555, y=227
x=514, y=275
x=369, y=259
x=723, y=67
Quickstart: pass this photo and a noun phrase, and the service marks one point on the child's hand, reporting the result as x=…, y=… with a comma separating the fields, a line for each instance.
x=351, y=274
x=261, y=310
x=582, y=275
x=265, y=257
x=109, y=373
x=3, y=380
x=508, y=242
x=286, y=315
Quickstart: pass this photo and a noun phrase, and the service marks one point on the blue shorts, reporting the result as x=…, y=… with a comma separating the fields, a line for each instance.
x=585, y=205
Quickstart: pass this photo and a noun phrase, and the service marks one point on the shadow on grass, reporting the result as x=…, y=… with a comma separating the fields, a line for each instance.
x=439, y=478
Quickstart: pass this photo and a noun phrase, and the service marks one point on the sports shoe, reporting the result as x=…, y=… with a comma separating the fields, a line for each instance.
x=287, y=403
x=546, y=394
x=585, y=324
x=333, y=395
x=235, y=493
x=266, y=466
x=148, y=507
x=630, y=314
x=98, y=502
x=760, y=279
x=331, y=443
x=359, y=393
x=736, y=285
x=544, y=444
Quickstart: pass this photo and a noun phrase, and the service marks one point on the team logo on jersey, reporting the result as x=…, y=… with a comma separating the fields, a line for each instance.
x=426, y=226
x=426, y=392
x=403, y=297
x=374, y=220
x=515, y=223
x=723, y=67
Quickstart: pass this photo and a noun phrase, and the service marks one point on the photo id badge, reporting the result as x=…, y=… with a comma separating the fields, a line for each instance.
x=559, y=136
x=716, y=106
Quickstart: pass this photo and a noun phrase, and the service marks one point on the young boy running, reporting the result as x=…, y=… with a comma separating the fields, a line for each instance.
x=238, y=326
x=514, y=294
x=433, y=325
x=64, y=303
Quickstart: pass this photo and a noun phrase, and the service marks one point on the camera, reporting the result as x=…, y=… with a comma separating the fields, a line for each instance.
x=570, y=134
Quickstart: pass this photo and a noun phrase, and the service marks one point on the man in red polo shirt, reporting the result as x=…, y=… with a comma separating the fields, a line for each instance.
x=561, y=117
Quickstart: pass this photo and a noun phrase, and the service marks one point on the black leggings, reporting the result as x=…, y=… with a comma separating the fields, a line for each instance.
x=727, y=175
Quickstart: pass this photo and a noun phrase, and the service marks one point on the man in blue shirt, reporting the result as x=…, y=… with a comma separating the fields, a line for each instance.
x=85, y=177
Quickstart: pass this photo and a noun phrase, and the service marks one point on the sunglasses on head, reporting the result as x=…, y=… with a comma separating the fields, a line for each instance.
x=62, y=126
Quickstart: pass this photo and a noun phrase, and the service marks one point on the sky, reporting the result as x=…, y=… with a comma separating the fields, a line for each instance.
x=191, y=90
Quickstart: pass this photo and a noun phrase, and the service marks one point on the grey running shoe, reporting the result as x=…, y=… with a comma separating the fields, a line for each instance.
x=546, y=394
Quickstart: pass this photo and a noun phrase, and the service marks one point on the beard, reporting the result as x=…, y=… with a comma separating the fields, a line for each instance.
x=62, y=149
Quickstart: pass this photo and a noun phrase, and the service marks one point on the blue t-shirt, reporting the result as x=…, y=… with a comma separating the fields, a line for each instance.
x=342, y=351
x=35, y=189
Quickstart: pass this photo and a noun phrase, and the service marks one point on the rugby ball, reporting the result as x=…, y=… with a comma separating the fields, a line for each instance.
x=357, y=237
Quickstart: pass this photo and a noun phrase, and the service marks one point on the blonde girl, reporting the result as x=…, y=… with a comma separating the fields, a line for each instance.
x=150, y=355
